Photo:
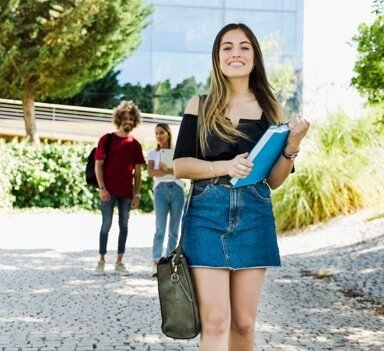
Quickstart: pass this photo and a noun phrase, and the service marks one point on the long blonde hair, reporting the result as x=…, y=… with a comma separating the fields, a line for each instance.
x=217, y=102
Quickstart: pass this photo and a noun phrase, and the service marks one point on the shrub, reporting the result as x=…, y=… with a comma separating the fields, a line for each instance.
x=331, y=174
x=339, y=170
x=53, y=176
x=7, y=165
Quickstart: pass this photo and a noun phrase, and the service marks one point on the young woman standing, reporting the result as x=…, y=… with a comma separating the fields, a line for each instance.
x=229, y=233
x=168, y=196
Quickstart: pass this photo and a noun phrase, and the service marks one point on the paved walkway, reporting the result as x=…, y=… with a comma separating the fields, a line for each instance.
x=329, y=294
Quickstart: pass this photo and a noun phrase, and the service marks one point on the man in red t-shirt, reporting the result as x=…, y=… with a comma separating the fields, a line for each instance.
x=119, y=177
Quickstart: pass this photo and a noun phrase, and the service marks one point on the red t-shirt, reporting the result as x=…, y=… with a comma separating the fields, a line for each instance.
x=119, y=166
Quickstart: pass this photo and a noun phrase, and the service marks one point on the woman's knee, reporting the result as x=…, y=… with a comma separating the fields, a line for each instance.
x=243, y=325
x=216, y=324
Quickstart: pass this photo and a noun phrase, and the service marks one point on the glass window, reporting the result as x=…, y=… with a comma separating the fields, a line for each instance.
x=188, y=3
x=265, y=24
x=178, y=41
x=146, y=36
x=136, y=69
x=188, y=29
x=181, y=65
x=263, y=4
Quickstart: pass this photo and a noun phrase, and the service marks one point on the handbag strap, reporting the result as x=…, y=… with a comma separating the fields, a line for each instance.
x=179, y=249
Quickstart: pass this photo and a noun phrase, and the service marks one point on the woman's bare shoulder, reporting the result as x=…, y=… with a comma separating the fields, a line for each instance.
x=193, y=106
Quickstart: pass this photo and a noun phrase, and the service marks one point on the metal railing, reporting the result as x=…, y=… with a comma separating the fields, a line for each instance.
x=13, y=109
x=71, y=122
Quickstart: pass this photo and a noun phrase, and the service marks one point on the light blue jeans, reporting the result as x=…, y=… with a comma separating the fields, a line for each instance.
x=124, y=206
x=168, y=198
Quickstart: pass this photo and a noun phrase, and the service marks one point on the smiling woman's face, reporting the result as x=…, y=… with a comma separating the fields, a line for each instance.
x=162, y=137
x=236, y=54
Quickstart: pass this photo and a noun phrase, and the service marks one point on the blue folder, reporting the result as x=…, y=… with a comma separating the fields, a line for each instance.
x=264, y=154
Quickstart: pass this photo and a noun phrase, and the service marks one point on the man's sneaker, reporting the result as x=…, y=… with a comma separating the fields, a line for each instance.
x=120, y=269
x=99, y=270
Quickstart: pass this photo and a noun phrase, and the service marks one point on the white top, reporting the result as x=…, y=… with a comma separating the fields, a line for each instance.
x=154, y=156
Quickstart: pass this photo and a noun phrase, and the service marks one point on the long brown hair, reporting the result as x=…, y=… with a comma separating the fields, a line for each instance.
x=219, y=95
x=167, y=129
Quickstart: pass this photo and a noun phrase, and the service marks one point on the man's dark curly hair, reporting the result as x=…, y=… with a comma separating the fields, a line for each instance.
x=126, y=107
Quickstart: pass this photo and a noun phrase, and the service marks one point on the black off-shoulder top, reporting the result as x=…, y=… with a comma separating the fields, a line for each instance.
x=218, y=148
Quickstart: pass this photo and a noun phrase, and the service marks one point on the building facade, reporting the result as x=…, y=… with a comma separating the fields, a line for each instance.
x=178, y=41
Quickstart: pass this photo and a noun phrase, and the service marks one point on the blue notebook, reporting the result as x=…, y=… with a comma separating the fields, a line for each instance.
x=264, y=154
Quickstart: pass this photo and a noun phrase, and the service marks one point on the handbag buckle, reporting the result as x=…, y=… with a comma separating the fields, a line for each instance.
x=175, y=278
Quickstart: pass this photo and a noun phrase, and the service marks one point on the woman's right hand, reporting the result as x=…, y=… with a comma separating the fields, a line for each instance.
x=240, y=167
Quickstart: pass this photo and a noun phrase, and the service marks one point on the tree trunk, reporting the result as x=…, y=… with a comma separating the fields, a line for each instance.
x=29, y=117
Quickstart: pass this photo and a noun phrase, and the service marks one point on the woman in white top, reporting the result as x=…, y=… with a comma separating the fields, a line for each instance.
x=168, y=193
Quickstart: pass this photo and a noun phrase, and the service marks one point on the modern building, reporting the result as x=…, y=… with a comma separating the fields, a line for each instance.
x=177, y=43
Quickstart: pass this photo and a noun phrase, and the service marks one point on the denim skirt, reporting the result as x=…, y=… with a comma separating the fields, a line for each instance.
x=230, y=228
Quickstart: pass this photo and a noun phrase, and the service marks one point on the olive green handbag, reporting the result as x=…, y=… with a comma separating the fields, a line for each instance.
x=178, y=302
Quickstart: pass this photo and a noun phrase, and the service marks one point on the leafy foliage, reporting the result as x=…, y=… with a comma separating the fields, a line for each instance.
x=331, y=174
x=284, y=82
x=162, y=98
x=369, y=67
x=330, y=177
x=56, y=47
x=8, y=165
x=142, y=96
x=103, y=93
x=172, y=101
x=53, y=48
x=53, y=176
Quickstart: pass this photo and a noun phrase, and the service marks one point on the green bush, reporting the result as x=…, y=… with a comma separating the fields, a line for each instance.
x=339, y=171
x=53, y=176
x=332, y=173
x=7, y=165
x=146, y=202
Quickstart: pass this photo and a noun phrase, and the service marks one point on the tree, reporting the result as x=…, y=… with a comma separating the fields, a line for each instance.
x=53, y=48
x=183, y=92
x=141, y=96
x=369, y=66
x=162, y=99
x=283, y=79
x=102, y=93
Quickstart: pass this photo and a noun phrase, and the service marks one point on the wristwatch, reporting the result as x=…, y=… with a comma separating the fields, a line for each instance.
x=290, y=156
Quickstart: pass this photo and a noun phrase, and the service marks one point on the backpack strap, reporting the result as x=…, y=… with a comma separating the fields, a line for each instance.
x=108, y=145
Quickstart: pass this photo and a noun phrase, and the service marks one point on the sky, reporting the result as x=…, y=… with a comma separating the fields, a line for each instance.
x=329, y=55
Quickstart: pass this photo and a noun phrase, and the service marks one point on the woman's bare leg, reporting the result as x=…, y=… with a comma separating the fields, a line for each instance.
x=245, y=288
x=214, y=304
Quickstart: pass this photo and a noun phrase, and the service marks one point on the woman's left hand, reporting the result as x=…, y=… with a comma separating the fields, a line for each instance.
x=299, y=128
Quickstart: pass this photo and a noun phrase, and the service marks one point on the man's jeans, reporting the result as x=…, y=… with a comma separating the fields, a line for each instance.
x=169, y=198
x=124, y=206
